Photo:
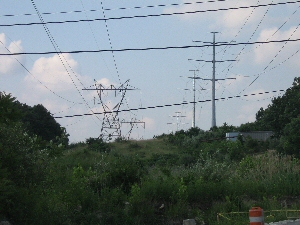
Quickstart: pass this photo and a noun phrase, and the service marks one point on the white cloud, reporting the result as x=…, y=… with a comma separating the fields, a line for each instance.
x=248, y=111
x=251, y=106
x=56, y=87
x=267, y=52
x=245, y=118
x=233, y=19
x=9, y=65
x=149, y=123
x=228, y=20
x=231, y=87
x=52, y=73
x=49, y=72
x=188, y=10
x=182, y=9
x=105, y=82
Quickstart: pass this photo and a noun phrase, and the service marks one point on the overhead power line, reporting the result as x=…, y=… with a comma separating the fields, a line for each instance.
x=150, y=15
x=149, y=48
x=110, y=42
x=167, y=105
x=167, y=5
x=280, y=50
x=114, y=9
x=63, y=60
x=28, y=71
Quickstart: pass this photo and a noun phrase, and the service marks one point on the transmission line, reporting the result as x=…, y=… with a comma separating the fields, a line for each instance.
x=37, y=78
x=61, y=56
x=151, y=15
x=113, y=9
x=252, y=35
x=168, y=105
x=110, y=42
x=150, y=48
x=280, y=50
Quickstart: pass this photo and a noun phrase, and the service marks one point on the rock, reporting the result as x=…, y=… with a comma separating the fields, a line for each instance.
x=5, y=223
x=189, y=222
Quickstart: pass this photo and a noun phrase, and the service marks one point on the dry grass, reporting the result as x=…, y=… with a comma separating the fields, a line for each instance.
x=144, y=148
x=270, y=164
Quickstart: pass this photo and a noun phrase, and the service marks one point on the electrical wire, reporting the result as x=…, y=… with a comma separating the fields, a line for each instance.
x=110, y=43
x=57, y=49
x=264, y=71
x=37, y=78
x=60, y=55
x=280, y=50
x=150, y=48
x=94, y=38
x=114, y=9
x=252, y=35
x=167, y=105
x=167, y=5
x=150, y=15
x=242, y=27
x=280, y=27
x=274, y=67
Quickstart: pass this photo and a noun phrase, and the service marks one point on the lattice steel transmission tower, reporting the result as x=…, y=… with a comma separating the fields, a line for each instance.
x=132, y=124
x=111, y=124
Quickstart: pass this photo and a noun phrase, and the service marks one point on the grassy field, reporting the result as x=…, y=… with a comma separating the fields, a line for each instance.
x=158, y=182
x=144, y=148
x=212, y=189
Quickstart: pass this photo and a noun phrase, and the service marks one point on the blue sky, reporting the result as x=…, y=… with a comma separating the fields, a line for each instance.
x=159, y=77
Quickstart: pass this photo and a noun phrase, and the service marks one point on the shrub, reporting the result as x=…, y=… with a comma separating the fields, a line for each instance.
x=98, y=144
x=22, y=168
x=117, y=172
x=290, y=141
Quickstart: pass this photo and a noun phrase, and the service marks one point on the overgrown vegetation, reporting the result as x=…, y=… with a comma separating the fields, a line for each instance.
x=187, y=174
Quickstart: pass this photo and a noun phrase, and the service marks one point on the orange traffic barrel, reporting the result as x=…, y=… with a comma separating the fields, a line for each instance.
x=256, y=216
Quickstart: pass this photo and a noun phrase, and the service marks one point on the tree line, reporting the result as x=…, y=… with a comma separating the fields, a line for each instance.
x=44, y=180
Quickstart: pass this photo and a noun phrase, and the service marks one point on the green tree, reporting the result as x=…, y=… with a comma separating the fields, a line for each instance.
x=98, y=144
x=222, y=130
x=8, y=111
x=193, y=131
x=252, y=126
x=282, y=110
x=22, y=167
x=290, y=140
x=39, y=121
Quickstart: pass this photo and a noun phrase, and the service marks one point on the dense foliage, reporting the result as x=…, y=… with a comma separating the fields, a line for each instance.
x=8, y=112
x=38, y=121
x=186, y=174
x=282, y=110
x=24, y=157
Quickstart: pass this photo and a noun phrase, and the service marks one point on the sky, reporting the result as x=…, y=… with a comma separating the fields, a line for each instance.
x=121, y=46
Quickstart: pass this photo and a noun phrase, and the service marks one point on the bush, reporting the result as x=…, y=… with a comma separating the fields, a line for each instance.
x=22, y=168
x=290, y=141
x=76, y=145
x=117, y=172
x=98, y=144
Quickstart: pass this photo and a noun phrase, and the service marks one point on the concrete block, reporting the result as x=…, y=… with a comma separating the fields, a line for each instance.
x=5, y=223
x=189, y=222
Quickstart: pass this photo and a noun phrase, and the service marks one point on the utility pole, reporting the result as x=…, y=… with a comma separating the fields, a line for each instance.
x=177, y=120
x=194, y=96
x=194, y=108
x=213, y=80
x=213, y=116
x=194, y=99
